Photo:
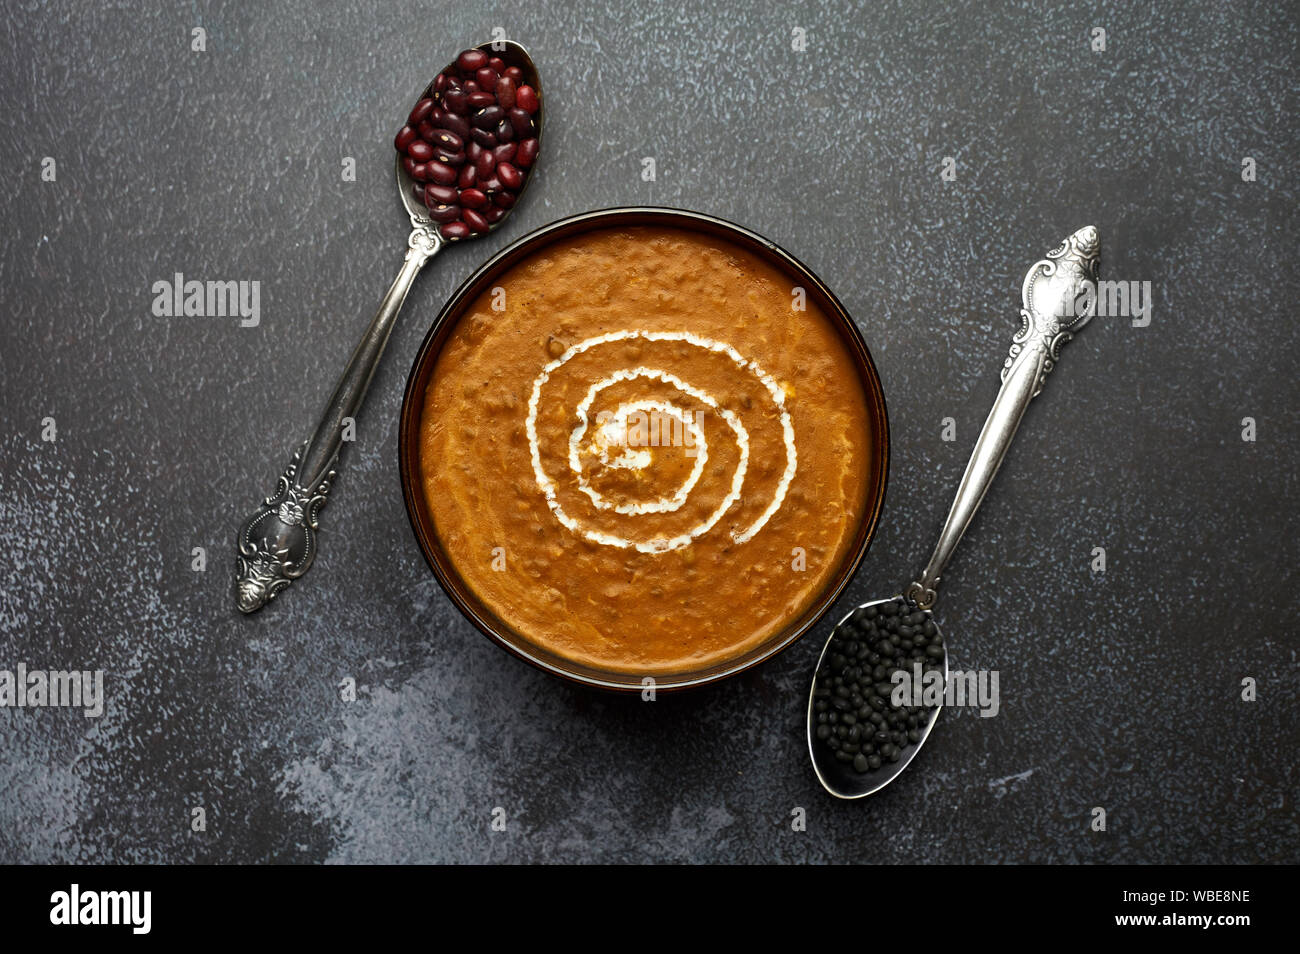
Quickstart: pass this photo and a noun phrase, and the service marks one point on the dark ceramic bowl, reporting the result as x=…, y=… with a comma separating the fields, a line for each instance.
x=413, y=405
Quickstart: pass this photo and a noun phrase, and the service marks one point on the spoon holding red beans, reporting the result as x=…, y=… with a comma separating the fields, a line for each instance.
x=464, y=157
x=470, y=143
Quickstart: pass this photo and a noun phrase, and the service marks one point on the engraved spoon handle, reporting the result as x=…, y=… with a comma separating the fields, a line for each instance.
x=277, y=544
x=1058, y=297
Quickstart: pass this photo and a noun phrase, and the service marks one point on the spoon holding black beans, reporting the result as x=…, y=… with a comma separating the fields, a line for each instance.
x=869, y=711
x=465, y=154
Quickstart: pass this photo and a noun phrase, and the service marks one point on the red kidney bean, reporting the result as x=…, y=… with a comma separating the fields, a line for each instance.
x=456, y=101
x=488, y=118
x=510, y=176
x=422, y=109
x=440, y=195
x=448, y=140
x=470, y=143
x=470, y=60
x=442, y=173
x=506, y=92
x=526, y=154
x=520, y=122
x=453, y=123
x=445, y=213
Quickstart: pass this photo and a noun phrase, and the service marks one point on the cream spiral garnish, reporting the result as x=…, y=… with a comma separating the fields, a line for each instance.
x=677, y=499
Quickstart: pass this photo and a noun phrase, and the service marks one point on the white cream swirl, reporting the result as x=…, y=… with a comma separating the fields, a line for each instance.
x=678, y=498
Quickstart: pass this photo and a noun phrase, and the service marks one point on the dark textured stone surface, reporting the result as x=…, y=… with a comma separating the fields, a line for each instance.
x=1118, y=690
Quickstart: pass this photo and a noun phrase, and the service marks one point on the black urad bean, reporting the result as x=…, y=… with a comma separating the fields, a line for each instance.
x=866, y=652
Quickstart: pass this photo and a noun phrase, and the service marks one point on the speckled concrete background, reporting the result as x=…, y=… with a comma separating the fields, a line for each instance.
x=1119, y=690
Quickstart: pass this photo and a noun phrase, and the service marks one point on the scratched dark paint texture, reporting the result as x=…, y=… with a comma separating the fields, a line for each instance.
x=1119, y=690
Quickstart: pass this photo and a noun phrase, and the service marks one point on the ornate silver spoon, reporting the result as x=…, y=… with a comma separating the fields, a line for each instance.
x=277, y=544
x=1058, y=297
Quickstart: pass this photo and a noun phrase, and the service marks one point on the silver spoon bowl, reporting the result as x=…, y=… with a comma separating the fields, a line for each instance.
x=1058, y=296
x=277, y=544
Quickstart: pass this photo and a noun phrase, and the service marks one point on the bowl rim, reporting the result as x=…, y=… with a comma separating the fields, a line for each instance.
x=408, y=445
